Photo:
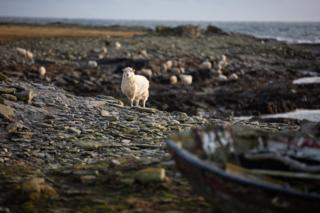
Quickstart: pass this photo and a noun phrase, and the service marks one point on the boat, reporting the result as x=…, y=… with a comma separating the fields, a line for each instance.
x=214, y=161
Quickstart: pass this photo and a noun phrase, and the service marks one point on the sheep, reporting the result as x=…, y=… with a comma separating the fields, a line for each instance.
x=93, y=64
x=102, y=52
x=186, y=79
x=223, y=62
x=182, y=70
x=135, y=87
x=173, y=79
x=42, y=72
x=25, y=53
x=233, y=77
x=143, y=53
x=206, y=65
x=21, y=51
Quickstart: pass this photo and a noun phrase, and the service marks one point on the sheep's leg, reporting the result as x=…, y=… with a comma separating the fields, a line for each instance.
x=131, y=102
x=136, y=102
x=144, y=102
x=145, y=98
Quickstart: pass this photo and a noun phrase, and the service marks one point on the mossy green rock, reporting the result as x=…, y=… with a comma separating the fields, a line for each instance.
x=150, y=175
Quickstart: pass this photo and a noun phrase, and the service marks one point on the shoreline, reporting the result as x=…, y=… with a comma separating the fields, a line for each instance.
x=60, y=29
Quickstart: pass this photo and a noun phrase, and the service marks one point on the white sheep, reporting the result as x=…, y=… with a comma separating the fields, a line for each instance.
x=135, y=87
x=223, y=62
x=186, y=79
x=42, y=72
x=143, y=53
x=29, y=55
x=173, y=79
x=102, y=52
x=25, y=53
x=206, y=65
x=21, y=51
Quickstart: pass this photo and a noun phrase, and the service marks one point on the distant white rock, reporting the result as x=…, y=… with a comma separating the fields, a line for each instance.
x=307, y=80
x=222, y=78
x=118, y=45
x=169, y=64
x=42, y=72
x=93, y=64
x=186, y=79
x=147, y=72
x=173, y=79
x=233, y=77
x=206, y=65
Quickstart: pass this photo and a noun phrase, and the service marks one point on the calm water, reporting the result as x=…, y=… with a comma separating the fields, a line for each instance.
x=289, y=32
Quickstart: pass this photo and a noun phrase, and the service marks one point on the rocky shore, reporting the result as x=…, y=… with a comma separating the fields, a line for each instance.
x=70, y=143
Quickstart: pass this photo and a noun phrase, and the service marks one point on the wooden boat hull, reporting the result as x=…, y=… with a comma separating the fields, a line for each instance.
x=230, y=193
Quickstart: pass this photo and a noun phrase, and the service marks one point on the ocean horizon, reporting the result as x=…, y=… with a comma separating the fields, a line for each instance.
x=291, y=32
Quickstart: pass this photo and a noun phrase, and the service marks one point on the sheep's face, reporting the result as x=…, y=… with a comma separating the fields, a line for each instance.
x=128, y=72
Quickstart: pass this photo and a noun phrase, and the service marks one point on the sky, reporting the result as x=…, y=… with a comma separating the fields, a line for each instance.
x=197, y=10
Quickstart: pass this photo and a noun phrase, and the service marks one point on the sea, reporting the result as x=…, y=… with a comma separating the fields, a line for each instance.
x=291, y=32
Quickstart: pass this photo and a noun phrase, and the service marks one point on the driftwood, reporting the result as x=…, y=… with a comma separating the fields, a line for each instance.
x=291, y=163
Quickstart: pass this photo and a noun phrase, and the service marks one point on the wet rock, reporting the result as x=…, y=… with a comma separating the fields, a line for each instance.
x=25, y=135
x=185, y=30
x=108, y=116
x=150, y=175
x=3, y=77
x=14, y=127
x=7, y=113
x=74, y=130
x=213, y=30
x=37, y=189
x=115, y=162
x=9, y=97
x=25, y=95
x=4, y=210
x=7, y=90
x=88, y=179
x=147, y=73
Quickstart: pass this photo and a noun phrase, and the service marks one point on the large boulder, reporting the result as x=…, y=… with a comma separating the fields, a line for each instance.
x=213, y=30
x=184, y=30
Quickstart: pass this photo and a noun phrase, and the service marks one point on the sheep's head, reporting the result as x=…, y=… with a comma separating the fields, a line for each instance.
x=128, y=72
